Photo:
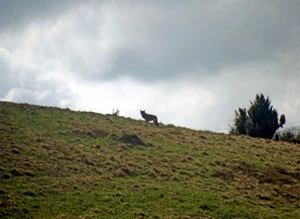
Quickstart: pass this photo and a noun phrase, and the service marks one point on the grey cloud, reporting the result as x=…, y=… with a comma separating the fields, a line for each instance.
x=16, y=14
x=161, y=40
x=185, y=38
x=6, y=80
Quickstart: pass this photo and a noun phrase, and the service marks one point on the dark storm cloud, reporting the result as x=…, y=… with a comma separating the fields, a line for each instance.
x=211, y=35
x=164, y=39
x=16, y=14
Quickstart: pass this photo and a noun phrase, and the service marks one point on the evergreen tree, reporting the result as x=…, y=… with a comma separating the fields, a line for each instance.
x=240, y=122
x=261, y=120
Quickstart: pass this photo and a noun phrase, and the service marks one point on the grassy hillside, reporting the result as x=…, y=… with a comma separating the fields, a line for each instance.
x=57, y=163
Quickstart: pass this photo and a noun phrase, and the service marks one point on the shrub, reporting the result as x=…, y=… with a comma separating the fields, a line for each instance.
x=291, y=134
x=260, y=120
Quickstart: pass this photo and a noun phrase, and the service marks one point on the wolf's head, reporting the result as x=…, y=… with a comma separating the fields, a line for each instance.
x=142, y=112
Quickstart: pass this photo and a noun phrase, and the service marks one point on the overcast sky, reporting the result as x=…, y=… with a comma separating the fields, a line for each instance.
x=192, y=63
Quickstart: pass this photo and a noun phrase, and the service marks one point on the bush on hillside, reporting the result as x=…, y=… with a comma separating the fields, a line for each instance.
x=260, y=120
x=291, y=134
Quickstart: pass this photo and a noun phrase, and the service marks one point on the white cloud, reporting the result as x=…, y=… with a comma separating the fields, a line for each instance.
x=20, y=94
x=174, y=103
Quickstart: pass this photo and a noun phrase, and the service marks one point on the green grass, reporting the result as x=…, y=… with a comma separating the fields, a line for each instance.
x=57, y=163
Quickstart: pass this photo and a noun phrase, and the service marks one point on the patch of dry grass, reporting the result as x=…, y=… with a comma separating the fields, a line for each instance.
x=57, y=163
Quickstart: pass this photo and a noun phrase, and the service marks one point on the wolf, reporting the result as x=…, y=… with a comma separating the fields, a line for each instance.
x=149, y=117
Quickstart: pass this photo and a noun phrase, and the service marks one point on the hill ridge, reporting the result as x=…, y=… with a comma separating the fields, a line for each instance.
x=59, y=163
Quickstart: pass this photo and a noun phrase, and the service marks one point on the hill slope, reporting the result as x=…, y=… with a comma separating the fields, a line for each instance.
x=57, y=163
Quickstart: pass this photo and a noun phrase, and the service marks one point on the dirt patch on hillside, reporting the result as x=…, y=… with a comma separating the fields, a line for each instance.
x=132, y=139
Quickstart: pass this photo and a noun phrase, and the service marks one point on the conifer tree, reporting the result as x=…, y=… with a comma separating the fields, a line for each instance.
x=260, y=120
